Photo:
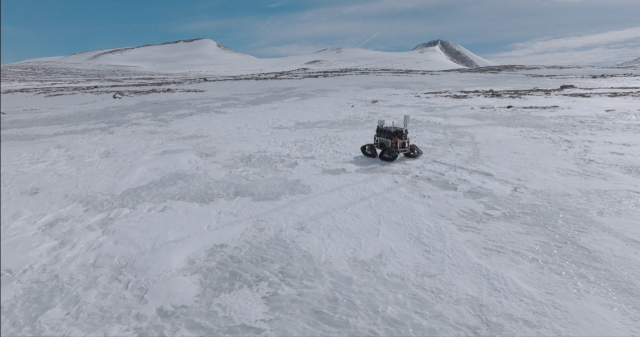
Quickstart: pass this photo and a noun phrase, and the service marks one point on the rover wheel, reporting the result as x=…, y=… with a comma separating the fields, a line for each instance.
x=369, y=150
x=388, y=154
x=414, y=152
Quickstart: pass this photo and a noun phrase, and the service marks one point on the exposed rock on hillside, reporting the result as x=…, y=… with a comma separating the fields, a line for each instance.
x=455, y=53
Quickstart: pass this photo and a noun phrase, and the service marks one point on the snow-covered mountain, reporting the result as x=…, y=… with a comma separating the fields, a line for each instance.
x=182, y=55
x=332, y=58
x=632, y=63
x=206, y=55
x=455, y=52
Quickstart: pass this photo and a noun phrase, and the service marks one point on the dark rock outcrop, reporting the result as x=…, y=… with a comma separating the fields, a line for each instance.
x=453, y=51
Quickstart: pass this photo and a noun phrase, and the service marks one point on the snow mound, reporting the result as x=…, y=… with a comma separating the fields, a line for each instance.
x=632, y=63
x=456, y=53
x=350, y=58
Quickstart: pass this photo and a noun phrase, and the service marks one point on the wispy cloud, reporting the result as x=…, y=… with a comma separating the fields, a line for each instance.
x=277, y=4
x=291, y=49
x=275, y=26
x=367, y=40
x=202, y=25
x=484, y=26
x=602, y=48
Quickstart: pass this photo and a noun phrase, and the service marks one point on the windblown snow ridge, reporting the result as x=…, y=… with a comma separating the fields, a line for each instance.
x=456, y=53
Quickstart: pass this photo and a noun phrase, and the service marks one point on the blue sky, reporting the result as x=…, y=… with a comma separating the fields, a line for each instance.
x=535, y=31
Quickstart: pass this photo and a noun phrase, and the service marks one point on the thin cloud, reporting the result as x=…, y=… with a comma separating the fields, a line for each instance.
x=203, y=25
x=479, y=24
x=602, y=48
x=291, y=49
x=367, y=40
x=408, y=23
x=277, y=4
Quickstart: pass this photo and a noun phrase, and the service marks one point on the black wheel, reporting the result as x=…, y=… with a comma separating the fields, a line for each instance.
x=414, y=152
x=388, y=154
x=369, y=150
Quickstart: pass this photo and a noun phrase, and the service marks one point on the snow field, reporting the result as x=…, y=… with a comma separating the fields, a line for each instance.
x=248, y=209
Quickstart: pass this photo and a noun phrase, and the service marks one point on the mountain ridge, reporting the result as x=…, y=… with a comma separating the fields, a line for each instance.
x=203, y=54
x=125, y=49
x=631, y=63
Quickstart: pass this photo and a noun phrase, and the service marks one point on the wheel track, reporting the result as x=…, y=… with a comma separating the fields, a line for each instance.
x=474, y=158
x=120, y=263
x=444, y=146
x=446, y=143
x=195, y=267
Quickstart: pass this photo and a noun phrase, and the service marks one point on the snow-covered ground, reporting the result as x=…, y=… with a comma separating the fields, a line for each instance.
x=201, y=205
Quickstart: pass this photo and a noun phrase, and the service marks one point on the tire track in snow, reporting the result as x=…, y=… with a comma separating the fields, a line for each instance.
x=488, y=174
x=120, y=263
x=206, y=262
x=332, y=210
x=445, y=143
x=474, y=157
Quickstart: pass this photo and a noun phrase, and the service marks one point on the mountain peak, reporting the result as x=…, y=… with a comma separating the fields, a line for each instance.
x=456, y=53
x=219, y=45
x=430, y=44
